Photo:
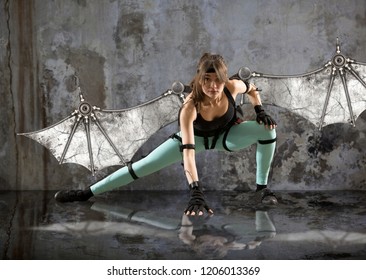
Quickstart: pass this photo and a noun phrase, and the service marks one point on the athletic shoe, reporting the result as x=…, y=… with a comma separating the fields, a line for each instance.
x=73, y=195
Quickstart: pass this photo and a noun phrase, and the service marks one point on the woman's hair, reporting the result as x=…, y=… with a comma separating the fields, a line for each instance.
x=208, y=63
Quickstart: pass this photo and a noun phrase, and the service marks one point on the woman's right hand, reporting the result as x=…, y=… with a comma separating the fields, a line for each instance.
x=197, y=203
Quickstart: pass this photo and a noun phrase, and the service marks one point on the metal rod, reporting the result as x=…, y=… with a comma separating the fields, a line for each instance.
x=87, y=129
x=343, y=78
x=256, y=74
x=327, y=100
x=69, y=139
x=94, y=118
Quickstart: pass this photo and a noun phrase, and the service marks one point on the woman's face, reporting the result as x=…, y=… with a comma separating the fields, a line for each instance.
x=212, y=86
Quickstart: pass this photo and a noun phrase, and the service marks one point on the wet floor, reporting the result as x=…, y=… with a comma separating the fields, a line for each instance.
x=150, y=226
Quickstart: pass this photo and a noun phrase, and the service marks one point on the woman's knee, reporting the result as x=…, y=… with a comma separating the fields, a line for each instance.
x=267, y=134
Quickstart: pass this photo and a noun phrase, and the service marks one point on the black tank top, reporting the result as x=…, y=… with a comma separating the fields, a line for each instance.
x=217, y=126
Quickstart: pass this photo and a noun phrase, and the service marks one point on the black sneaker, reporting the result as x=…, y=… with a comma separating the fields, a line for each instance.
x=268, y=197
x=72, y=195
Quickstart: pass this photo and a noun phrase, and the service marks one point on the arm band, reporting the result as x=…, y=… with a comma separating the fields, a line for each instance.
x=247, y=85
x=236, y=77
x=187, y=146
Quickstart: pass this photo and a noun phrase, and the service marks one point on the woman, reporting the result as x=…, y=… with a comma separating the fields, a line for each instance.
x=208, y=121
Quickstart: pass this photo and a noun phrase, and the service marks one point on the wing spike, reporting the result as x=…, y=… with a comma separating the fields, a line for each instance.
x=70, y=138
x=82, y=99
x=343, y=78
x=95, y=119
x=87, y=129
x=338, y=47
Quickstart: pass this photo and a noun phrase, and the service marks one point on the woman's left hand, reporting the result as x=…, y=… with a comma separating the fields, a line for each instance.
x=264, y=118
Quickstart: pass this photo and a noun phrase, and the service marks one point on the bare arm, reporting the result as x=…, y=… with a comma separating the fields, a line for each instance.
x=238, y=86
x=197, y=203
x=262, y=117
x=187, y=117
x=253, y=95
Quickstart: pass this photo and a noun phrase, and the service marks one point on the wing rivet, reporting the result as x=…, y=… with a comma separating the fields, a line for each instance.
x=339, y=60
x=85, y=108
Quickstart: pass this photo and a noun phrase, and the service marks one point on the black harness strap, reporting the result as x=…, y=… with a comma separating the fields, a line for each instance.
x=224, y=140
x=205, y=141
x=175, y=136
x=265, y=142
x=132, y=173
x=192, y=146
x=214, y=140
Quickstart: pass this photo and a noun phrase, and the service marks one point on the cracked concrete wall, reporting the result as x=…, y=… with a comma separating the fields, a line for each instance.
x=128, y=52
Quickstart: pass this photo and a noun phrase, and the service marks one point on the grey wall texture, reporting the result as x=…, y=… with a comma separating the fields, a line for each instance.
x=127, y=52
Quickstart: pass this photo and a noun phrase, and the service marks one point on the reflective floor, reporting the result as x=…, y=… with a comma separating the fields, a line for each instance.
x=150, y=226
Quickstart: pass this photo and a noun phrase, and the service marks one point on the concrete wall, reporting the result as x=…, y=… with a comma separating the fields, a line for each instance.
x=127, y=52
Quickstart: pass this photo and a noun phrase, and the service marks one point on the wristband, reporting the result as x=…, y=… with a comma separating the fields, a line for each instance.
x=258, y=108
x=194, y=185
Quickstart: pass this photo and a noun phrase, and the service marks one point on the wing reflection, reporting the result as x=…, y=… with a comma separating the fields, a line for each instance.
x=334, y=238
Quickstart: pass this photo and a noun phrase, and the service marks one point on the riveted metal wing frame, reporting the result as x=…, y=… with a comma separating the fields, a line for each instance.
x=333, y=93
x=98, y=138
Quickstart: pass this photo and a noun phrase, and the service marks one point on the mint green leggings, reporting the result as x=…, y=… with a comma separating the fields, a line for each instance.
x=239, y=137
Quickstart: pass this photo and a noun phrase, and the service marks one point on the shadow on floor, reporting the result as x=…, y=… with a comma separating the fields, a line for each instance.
x=150, y=226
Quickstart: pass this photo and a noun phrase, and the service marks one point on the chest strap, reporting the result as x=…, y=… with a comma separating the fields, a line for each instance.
x=213, y=143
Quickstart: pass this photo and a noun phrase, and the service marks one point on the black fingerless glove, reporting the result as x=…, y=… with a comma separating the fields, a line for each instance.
x=262, y=117
x=197, y=201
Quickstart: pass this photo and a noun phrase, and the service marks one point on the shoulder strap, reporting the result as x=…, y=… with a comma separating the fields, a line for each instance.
x=229, y=96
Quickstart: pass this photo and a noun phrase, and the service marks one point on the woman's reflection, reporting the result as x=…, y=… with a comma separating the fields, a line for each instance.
x=206, y=236
x=210, y=241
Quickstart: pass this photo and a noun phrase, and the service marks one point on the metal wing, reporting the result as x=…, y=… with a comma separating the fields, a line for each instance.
x=334, y=93
x=96, y=138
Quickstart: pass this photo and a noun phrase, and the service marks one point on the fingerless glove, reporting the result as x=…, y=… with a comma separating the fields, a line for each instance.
x=263, y=117
x=197, y=201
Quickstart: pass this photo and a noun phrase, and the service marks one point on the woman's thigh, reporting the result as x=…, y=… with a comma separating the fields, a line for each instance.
x=245, y=134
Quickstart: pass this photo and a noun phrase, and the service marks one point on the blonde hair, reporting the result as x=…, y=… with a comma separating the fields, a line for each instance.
x=208, y=63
